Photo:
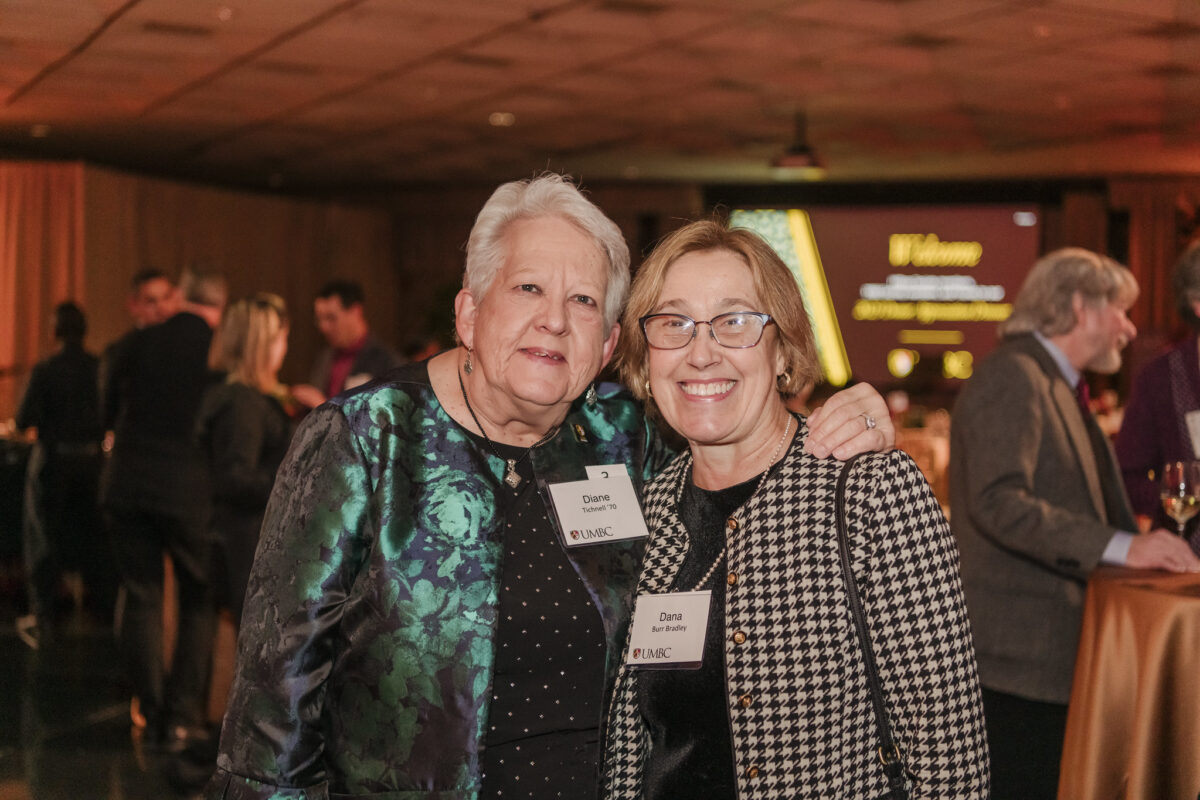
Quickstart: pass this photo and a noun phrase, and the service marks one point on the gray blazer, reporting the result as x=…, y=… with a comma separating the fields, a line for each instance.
x=1035, y=497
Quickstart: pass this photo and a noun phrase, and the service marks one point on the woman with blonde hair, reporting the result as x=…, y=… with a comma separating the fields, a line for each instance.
x=244, y=426
x=774, y=700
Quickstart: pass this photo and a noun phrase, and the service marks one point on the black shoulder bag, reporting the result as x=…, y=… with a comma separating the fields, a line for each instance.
x=889, y=752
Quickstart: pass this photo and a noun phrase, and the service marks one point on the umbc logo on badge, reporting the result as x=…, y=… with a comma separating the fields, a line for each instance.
x=668, y=630
x=652, y=653
x=574, y=534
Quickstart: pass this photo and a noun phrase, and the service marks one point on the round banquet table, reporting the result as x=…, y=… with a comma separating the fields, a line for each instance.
x=1133, y=726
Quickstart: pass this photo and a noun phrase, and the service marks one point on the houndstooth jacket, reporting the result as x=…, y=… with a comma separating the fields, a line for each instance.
x=799, y=706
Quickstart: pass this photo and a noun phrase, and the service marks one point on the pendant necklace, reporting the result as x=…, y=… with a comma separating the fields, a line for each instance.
x=511, y=477
x=762, y=479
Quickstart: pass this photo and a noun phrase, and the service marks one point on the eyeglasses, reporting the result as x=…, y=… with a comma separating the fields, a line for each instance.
x=736, y=329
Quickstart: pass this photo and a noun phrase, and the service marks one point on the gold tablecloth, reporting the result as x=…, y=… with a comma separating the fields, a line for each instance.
x=1133, y=728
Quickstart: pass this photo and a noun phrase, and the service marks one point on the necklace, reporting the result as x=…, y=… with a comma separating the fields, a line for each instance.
x=510, y=464
x=713, y=567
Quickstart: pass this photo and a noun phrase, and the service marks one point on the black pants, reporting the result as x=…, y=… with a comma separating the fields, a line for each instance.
x=1025, y=738
x=139, y=540
x=61, y=530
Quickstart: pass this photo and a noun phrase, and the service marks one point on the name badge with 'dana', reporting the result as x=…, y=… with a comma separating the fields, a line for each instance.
x=602, y=509
x=668, y=630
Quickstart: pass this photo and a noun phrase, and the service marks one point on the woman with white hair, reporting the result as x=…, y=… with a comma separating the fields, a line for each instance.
x=416, y=626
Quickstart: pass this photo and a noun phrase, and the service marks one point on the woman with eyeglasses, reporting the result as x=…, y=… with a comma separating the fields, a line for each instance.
x=417, y=623
x=715, y=338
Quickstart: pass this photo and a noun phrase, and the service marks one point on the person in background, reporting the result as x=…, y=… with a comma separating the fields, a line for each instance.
x=152, y=299
x=155, y=498
x=715, y=338
x=1038, y=503
x=1162, y=420
x=353, y=355
x=414, y=627
x=61, y=524
x=244, y=426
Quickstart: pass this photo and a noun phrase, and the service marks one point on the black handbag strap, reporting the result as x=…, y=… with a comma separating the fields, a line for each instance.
x=888, y=751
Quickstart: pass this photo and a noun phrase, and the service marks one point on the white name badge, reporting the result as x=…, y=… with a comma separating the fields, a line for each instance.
x=668, y=630
x=598, y=510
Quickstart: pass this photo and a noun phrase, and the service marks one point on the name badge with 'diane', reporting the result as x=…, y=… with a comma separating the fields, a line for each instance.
x=602, y=509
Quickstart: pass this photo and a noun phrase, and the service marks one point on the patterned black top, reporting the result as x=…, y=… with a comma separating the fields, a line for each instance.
x=542, y=738
x=691, y=752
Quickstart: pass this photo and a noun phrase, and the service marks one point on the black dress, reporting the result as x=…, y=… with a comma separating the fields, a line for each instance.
x=542, y=739
x=245, y=435
x=691, y=750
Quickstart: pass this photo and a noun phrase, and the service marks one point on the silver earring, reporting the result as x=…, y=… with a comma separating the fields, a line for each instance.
x=468, y=367
x=589, y=396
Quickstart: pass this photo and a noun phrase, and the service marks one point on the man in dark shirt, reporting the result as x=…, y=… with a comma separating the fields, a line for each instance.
x=156, y=500
x=60, y=524
x=353, y=356
x=153, y=298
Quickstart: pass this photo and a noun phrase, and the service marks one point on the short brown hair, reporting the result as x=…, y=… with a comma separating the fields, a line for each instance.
x=773, y=281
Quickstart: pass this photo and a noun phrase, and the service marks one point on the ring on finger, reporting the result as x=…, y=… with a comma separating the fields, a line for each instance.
x=869, y=420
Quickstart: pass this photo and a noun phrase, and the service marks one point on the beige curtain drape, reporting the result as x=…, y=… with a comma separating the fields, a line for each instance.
x=259, y=242
x=41, y=263
x=77, y=232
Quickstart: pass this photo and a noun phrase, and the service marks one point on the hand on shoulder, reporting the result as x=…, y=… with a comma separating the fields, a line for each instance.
x=840, y=427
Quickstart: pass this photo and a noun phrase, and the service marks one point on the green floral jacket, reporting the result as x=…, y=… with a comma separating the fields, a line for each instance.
x=366, y=654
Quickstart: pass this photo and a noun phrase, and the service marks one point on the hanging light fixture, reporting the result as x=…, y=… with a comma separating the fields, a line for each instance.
x=799, y=161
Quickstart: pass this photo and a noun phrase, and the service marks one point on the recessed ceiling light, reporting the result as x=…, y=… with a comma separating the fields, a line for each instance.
x=224, y=13
x=502, y=119
x=39, y=131
x=1042, y=31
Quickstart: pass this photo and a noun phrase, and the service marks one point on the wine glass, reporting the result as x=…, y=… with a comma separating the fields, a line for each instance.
x=1180, y=491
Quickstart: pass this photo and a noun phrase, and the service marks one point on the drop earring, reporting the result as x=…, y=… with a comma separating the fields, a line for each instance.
x=468, y=367
x=589, y=396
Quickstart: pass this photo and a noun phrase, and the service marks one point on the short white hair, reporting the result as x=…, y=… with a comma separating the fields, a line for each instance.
x=548, y=195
